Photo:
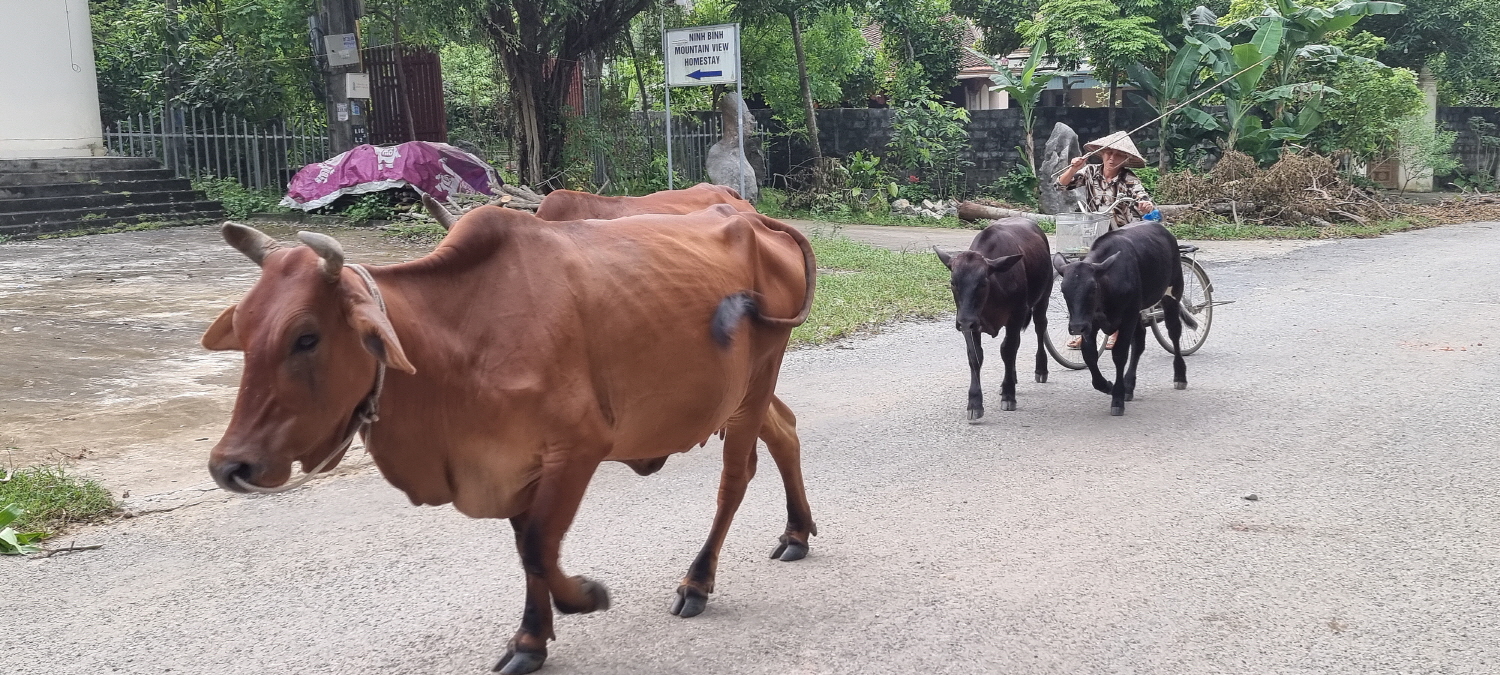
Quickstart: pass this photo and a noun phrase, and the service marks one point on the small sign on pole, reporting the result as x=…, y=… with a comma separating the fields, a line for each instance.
x=698, y=56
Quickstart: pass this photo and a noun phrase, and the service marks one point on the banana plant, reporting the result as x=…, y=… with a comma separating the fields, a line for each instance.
x=1025, y=89
x=1181, y=81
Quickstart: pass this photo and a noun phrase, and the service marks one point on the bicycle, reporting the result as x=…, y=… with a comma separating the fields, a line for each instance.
x=1076, y=232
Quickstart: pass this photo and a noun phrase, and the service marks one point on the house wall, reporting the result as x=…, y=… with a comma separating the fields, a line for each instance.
x=1467, y=146
x=50, y=104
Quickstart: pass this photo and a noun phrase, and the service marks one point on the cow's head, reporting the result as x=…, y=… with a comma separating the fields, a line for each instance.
x=1081, y=288
x=311, y=333
x=973, y=278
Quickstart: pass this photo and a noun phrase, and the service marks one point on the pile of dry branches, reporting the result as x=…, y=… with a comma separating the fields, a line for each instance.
x=1469, y=208
x=1296, y=190
x=510, y=197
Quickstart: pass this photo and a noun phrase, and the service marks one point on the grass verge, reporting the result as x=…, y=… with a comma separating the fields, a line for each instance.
x=414, y=234
x=861, y=287
x=773, y=204
x=51, y=499
x=137, y=227
x=1227, y=230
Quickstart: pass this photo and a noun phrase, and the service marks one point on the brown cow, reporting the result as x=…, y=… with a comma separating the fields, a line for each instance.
x=567, y=205
x=584, y=205
x=522, y=353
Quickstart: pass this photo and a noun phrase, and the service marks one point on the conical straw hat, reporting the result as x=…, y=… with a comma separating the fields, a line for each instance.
x=1120, y=141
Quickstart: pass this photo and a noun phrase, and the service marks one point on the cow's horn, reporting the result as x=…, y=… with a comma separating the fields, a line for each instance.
x=438, y=212
x=328, y=249
x=256, y=245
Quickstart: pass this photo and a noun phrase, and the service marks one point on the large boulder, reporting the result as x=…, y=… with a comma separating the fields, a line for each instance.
x=1062, y=147
x=726, y=159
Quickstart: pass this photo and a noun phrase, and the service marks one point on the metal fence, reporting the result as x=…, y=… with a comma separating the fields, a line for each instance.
x=693, y=133
x=195, y=142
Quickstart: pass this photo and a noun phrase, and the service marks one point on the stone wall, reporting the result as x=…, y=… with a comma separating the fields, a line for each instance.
x=1467, y=146
x=994, y=135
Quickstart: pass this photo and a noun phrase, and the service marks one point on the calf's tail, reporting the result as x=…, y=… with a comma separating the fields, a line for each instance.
x=1187, y=317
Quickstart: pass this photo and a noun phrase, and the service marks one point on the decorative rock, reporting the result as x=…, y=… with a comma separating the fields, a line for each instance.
x=1062, y=147
x=726, y=159
x=900, y=205
x=927, y=204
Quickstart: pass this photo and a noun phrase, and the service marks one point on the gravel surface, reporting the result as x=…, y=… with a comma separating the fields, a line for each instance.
x=1350, y=389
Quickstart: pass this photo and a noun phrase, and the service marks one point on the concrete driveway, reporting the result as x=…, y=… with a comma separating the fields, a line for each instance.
x=1350, y=389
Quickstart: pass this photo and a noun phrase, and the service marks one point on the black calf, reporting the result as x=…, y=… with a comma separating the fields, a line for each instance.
x=1127, y=271
x=1002, y=281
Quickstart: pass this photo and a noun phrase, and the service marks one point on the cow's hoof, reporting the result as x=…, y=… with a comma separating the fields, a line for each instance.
x=975, y=414
x=1008, y=406
x=789, y=549
x=1117, y=410
x=690, y=602
x=518, y=662
x=1041, y=378
x=1180, y=385
x=1130, y=396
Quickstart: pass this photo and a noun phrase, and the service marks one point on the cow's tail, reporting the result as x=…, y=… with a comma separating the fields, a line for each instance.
x=746, y=303
x=1187, y=317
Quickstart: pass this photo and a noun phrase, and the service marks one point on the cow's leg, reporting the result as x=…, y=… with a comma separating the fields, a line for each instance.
x=976, y=359
x=1137, y=346
x=528, y=648
x=739, y=467
x=1091, y=357
x=1121, y=352
x=1008, y=348
x=1172, y=307
x=1039, y=323
x=779, y=431
x=565, y=476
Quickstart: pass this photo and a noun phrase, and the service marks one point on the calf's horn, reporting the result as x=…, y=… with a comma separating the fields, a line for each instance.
x=328, y=249
x=438, y=212
x=256, y=245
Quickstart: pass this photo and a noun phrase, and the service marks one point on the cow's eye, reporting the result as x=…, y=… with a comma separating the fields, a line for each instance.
x=305, y=342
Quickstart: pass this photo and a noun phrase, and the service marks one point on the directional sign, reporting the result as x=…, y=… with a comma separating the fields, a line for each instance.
x=702, y=55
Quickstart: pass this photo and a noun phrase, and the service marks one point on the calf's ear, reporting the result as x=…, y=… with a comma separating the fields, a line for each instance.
x=1059, y=263
x=378, y=337
x=999, y=265
x=220, y=335
x=946, y=258
x=1108, y=261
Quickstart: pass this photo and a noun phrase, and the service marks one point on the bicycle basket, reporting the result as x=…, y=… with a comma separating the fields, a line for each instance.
x=1076, y=232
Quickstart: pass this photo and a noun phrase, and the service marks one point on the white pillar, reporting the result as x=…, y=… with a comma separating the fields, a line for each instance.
x=49, y=97
x=1422, y=182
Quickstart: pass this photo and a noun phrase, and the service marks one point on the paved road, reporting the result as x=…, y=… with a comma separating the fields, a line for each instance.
x=1351, y=388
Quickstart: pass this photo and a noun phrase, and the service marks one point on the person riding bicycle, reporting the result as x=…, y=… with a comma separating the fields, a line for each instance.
x=1110, y=185
x=1105, y=184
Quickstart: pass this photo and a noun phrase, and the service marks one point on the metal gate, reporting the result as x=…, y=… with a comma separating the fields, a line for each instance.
x=423, y=73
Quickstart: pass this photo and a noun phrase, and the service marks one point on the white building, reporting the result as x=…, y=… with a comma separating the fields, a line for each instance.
x=49, y=97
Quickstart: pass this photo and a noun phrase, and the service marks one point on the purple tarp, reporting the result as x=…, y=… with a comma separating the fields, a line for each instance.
x=438, y=170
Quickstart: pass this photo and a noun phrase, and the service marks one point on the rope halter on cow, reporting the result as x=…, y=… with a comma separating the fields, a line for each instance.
x=368, y=410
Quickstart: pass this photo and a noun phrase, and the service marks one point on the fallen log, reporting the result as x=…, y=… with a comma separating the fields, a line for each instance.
x=975, y=211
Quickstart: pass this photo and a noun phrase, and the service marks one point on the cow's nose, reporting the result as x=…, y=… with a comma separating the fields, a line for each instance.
x=1076, y=329
x=225, y=473
x=966, y=325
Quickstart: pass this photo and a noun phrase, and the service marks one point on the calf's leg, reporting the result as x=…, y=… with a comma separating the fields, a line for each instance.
x=1091, y=357
x=1172, y=307
x=1121, y=352
x=739, y=468
x=1008, y=349
x=1039, y=323
x=976, y=359
x=779, y=431
x=1137, y=345
x=528, y=648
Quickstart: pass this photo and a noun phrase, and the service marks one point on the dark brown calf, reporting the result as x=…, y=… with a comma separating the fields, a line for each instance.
x=1003, y=281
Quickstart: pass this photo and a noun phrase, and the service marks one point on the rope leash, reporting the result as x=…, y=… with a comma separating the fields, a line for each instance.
x=365, y=414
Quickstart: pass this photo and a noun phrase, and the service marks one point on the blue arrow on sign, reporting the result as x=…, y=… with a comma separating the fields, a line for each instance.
x=700, y=74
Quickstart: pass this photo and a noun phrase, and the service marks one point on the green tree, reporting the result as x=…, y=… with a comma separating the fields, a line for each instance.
x=1421, y=150
x=1458, y=40
x=1100, y=32
x=922, y=33
x=1181, y=81
x=1025, y=89
x=1000, y=20
x=844, y=67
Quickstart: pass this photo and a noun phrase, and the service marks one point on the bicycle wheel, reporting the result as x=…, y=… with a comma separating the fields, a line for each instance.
x=1198, y=300
x=1056, y=338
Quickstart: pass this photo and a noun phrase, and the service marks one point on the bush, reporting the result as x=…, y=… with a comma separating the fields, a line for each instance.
x=238, y=200
x=928, y=141
x=1017, y=187
x=371, y=206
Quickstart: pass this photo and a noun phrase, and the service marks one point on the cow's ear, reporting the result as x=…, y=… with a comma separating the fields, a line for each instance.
x=1102, y=266
x=945, y=257
x=379, y=338
x=999, y=265
x=220, y=335
x=1059, y=263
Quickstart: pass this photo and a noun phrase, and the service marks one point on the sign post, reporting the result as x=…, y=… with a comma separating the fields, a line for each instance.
x=698, y=56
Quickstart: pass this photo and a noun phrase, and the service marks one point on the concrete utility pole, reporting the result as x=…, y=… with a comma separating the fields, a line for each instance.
x=347, y=122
